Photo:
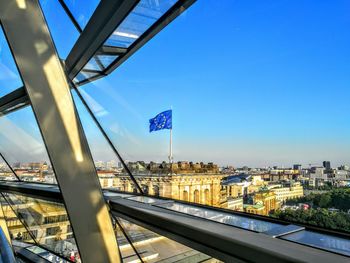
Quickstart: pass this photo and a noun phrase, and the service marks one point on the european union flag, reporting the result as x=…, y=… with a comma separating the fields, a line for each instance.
x=162, y=121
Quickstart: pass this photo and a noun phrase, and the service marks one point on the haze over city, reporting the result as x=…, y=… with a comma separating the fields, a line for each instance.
x=279, y=102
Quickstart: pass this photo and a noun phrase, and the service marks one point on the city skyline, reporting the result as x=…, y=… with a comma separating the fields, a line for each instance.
x=235, y=107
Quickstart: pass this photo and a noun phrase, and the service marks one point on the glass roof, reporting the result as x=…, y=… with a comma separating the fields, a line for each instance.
x=226, y=218
x=318, y=240
x=144, y=15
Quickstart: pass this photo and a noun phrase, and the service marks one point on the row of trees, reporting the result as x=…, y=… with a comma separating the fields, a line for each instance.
x=336, y=198
x=317, y=217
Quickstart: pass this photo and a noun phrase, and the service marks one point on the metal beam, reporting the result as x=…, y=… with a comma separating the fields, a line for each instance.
x=167, y=18
x=48, y=90
x=107, y=16
x=13, y=101
x=111, y=51
x=213, y=238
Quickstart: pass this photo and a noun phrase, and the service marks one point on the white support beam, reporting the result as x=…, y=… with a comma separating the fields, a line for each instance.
x=49, y=93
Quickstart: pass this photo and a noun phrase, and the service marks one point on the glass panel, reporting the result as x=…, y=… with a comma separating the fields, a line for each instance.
x=19, y=234
x=22, y=146
x=327, y=242
x=82, y=10
x=83, y=75
x=152, y=247
x=106, y=60
x=222, y=217
x=5, y=171
x=109, y=168
x=46, y=254
x=249, y=129
x=142, y=17
x=63, y=31
x=47, y=222
x=92, y=65
x=9, y=76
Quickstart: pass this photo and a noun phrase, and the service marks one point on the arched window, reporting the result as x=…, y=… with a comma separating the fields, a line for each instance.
x=196, y=196
x=185, y=196
x=207, y=197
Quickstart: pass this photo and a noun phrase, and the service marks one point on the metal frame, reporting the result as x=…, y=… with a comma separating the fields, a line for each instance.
x=49, y=92
x=107, y=16
x=225, y=242
x=166, y=19
x=219, y=240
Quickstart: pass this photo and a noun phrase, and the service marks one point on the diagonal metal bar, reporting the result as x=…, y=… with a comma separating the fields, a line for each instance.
x=105, y=135
x=107, y=16
x=70, y=15
x=128, y=238
x=30, y=233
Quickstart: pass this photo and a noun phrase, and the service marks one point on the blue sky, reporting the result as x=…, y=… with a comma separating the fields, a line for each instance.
x=253, y=83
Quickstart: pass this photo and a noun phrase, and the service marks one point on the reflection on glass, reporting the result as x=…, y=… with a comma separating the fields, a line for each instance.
x=64, y=33
x=222, y=217
x=46, y=254
x=109, y=168
x=22, y=146
x=83, y=75
x=146, y=199
x=45, y=222
x=142, y=17
x=106, y=60
x=324, y=241
x=152, y=247
x=9, y=76
x=93, y=64
x=82, y=10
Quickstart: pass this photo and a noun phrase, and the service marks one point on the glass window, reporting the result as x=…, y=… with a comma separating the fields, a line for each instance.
x=142, y=17
x=109, y=167
x=152, y=247
x=9, y=76
x=84, y=75
x=258, y=126
x=31, y=213
x=106, y=60
x=93, y=64
x=62, y=30
x=320, y=240
x=82, y=10
x=5, y=171
x=22, y=146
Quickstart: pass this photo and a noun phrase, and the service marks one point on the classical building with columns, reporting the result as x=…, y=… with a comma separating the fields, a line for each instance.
x=197, y=188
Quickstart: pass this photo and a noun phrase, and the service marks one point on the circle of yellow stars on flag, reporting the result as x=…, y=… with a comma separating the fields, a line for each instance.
x=161, y=123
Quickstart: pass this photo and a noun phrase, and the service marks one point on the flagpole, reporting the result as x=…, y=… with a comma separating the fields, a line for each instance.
x=171, y=147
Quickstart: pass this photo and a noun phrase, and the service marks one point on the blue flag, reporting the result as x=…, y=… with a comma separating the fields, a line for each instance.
x=162, y=121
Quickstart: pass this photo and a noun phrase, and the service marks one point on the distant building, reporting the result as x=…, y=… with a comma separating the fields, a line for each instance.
x=233, y=204
x=287, y=191
x=197, y=188
x=297, y=167
x=327, y=165
x=263, y=203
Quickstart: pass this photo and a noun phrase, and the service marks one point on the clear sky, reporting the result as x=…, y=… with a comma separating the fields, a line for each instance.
x=251, y=82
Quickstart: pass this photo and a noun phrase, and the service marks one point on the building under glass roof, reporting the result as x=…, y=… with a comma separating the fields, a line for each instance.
x=59, y=204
